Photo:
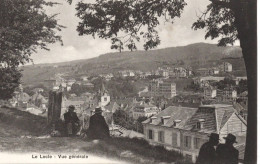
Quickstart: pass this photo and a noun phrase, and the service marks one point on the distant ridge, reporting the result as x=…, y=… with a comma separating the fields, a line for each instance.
x=196, y=55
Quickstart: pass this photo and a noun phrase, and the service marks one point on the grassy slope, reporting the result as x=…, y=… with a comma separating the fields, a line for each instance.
x=15, y=123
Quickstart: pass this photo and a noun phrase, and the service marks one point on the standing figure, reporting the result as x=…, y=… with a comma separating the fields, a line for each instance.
x=207, y=154
x=71, y=121
x=227, y=154
x=98, y=128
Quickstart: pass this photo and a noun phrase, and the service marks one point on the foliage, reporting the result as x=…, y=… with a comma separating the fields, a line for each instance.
x=79, y=89
x=24, y=27
x=126, y=22
x=30, y=90
x=242, y=86
x=9, y=81
x=227, y=82
x=219, y=22
x=194, y=87
x=123, y=119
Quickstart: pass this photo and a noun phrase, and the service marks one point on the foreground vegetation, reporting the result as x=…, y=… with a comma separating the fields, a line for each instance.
x=136, y=151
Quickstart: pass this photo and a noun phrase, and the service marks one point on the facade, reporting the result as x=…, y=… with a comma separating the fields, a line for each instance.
x=210, y=92
x=227, y=94
x=227, y=67
x=186, y=129
x=159, y=88
x=203, y=81
x=203, y=71
x=104, y=97
x=144, y=110
x=214, y=71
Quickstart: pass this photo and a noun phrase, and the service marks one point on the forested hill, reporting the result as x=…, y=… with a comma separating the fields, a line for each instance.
x=195, y=55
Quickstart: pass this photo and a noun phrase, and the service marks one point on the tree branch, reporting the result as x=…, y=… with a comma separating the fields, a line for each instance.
x=224, y=3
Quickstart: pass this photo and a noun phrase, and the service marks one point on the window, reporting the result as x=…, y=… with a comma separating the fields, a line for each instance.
x=197, y=143
x=187, y=141
x=105, y=99
x=150, y=134
x=161, y=136
x=174, y=139
x=198, y=125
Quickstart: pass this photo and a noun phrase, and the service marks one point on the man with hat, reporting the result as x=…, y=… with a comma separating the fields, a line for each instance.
x=207, y=154
x=71, y=121
x=98, y=128
x=226, y=153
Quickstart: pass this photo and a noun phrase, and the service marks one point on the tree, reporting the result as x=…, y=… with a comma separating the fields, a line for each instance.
x=228, y=19
x=24, y=27
x=9, y=81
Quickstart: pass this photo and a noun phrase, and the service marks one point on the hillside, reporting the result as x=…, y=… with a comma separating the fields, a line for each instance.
x=194, y=55
x=22, y=132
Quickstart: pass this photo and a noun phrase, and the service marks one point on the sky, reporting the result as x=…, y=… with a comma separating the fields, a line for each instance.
x=83, y=47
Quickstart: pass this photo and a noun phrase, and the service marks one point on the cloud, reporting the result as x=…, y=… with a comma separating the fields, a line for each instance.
x=82, y=47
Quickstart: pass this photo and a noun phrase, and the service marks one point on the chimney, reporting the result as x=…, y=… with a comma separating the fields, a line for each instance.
x=176, y=123
x=153, y=119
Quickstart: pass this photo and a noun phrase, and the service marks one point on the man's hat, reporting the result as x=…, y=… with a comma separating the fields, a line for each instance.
x=214, y=136
x=98, y=110
x=71, y=107
x=231, y=138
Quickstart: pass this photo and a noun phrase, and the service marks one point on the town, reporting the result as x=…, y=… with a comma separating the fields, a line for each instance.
x=173, y=106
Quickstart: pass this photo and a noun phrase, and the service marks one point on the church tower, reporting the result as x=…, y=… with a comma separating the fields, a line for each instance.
x=104, y=96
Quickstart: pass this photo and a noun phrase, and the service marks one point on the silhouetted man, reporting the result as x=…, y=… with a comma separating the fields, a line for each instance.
x=207, y=154
x=98, y=128
x=226, y=153
x=71, y=121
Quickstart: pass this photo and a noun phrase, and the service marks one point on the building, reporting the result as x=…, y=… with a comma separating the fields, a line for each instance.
x=203, y=71
x=159, y=88
x=227, y=94
x=185, y=129
x=238, y=79
x=210, y=92
x=204, y=81
x=214, y=71
x=227, y=67
x=144, y=110
x=84, y=78
x=104, y=97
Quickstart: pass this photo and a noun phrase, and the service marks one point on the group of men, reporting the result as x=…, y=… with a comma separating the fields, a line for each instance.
x=223, y=154
x=98, y=128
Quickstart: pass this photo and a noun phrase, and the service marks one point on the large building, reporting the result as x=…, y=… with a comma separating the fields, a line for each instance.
x=159, y=88
x=145, y=110
x=185, y=129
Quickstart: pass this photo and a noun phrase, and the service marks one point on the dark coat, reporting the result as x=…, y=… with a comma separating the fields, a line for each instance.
x=227, y=154
x=207, y=154
x=71, y=117
x=71, y=122
x=98, y=128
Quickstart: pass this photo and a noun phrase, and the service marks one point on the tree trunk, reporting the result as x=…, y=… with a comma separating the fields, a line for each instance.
x=245, y=20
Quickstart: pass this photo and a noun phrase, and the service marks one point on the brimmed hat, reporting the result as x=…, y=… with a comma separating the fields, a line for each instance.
x=231, y=138
x=214, y=136
x=71, y=108
x=98, y=110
